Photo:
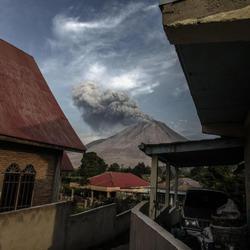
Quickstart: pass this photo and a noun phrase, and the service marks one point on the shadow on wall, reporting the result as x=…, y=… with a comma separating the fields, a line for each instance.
x=60, y=226
x=42, y=227
x=92, y=228
x=52, y=227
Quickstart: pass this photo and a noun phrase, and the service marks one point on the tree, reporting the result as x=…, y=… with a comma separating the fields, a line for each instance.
x=91, y=165
x=223, y=178
x=140, y=169
x=114, y=167
x=127, y=170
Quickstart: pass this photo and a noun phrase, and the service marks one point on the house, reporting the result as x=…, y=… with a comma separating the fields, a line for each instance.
x=110, y=184
x=34, y=133
x=212, y=42
x=184, y=184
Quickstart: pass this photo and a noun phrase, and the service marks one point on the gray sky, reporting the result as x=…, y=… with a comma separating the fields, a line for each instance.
x=117, y=45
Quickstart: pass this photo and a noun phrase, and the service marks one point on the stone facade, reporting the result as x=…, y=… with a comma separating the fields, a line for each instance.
x=45, y=162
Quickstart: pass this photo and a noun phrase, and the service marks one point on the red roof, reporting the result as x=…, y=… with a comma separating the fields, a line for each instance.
x=117, y=179
x=66, y=165
x=28, y=109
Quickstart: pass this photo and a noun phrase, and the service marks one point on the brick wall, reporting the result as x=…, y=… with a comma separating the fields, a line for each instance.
x=44, y=162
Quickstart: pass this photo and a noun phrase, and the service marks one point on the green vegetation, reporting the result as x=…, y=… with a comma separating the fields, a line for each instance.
x=140, y=169
x=229, y=179
x=91, y=165
x=114, y=167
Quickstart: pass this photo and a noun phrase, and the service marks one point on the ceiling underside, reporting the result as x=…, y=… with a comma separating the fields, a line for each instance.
x=218, y=76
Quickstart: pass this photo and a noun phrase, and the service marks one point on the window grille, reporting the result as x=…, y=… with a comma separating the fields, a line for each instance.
x=17, y=191
x=26, y=187
x=10, y=188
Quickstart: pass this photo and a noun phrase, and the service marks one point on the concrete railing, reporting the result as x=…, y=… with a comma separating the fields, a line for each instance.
x=95, y=227
x=35, y=228
x=146, y=234
x=52, y=227
x=91, y=228
x=122, y=222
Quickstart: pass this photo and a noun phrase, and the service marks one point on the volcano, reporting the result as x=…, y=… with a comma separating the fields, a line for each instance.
x=122, y=147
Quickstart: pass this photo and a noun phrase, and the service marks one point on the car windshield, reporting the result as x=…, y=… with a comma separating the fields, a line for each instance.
x=203, y=203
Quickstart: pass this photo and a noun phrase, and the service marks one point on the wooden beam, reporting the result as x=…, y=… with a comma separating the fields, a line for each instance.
x=191, y=146
x=153, y=189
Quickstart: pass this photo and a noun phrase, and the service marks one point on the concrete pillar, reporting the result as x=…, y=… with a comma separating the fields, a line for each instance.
x=176, y=187
x=247, y=179
x=72, y=194
x=247, y=172
x=153, y=189
x=108, y=194
x=92, y=197
x=171, y=200
x=167, y=195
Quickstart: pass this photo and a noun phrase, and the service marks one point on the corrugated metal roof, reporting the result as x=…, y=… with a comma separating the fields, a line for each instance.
x=116, y=179
x=66, y=165
x=28, y=109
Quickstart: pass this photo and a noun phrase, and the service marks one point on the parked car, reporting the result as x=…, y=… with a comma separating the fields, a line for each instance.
x=198, y=208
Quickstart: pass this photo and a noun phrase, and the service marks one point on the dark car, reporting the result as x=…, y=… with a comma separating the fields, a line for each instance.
x=198, y=208
x=199, y=205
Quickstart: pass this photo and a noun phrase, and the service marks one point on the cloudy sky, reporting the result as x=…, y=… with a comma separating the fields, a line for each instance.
x=110, y=45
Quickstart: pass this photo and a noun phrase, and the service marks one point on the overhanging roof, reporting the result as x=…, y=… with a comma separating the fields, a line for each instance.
x=117, y=179
x=218, y=77
x=213, y=45
x=196, y=21
x=29, y=111
x=198, y=153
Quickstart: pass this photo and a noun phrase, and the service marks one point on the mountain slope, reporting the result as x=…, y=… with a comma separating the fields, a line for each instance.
x=123, y=146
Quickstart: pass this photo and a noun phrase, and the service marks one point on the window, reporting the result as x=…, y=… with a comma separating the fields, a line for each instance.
x=26, y=187
x=10, y=188
x=18, y=186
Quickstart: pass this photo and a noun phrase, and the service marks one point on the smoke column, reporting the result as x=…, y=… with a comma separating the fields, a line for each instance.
x=106, y=109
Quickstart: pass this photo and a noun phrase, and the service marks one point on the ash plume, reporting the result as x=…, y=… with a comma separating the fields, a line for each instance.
x=106, y=109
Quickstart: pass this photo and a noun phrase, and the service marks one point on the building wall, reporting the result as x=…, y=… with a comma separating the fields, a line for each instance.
x=146, y=234
x=91, y=228
x=44, y=161
x=122, y=222
x=36, y=228
x=52, y=227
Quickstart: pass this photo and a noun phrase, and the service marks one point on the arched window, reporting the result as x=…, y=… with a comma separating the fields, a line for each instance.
x=26, y=188
x=10, y=188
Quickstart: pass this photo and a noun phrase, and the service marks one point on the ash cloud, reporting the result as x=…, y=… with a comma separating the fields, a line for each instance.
x=106, y=109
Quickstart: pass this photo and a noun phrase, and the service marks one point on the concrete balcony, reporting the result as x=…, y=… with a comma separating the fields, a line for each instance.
x=52, y=226
x=147, y=234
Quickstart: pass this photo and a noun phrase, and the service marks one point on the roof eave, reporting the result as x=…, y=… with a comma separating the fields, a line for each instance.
x=220, y=27
x=41, y=144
